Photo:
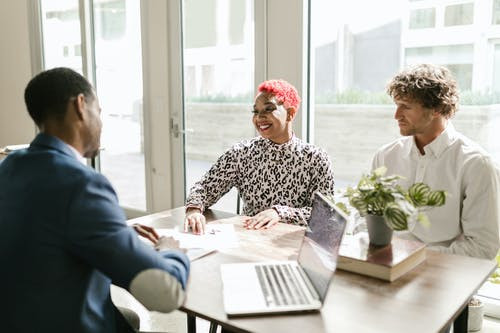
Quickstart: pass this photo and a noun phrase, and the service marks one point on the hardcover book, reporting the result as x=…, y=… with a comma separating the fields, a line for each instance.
x=386, y=263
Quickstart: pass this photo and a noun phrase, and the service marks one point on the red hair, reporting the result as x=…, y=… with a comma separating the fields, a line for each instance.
x=283, y=91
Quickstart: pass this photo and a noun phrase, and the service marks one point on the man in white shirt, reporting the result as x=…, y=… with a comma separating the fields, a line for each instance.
x=433, y=152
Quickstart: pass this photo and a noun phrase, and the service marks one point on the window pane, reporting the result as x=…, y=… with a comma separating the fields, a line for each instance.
x=352, y=114
x=459, y=14
x=496, y=69
x=119, y=87
x=236, y=29
x=422, y=18
x=496, y=12
x=355, y=53
x=458, y=59
x=200, y=23
x=218, y=83
x=61, y=34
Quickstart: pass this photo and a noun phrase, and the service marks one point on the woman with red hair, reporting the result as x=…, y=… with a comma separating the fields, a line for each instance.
x=276, y=173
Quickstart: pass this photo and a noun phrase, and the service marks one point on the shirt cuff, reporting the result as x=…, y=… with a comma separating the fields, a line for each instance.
x=281, y=210
x=200, y=207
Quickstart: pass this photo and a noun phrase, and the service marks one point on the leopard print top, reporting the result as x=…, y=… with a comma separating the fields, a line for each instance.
x=268, y=175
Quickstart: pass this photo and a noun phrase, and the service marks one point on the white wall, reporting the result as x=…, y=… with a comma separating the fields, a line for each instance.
x=15, y=71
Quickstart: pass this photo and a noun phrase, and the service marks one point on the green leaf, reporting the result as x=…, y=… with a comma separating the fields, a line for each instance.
x=396, y=217
x=359, y=204
x=418, y=193
x=379, y=172
x=436, y=198
x=343, y=207
x=423, y=220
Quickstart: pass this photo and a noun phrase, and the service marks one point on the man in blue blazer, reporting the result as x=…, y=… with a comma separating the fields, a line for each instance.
x=63, y=236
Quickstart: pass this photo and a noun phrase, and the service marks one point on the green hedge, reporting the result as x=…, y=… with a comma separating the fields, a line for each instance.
x=351, y=96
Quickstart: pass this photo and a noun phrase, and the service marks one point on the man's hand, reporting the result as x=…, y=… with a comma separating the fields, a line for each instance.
x=265, y=219
x=146, y=232
x=194, y=220
x=168, y=243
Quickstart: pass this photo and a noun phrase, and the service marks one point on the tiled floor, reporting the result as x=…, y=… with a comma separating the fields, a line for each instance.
x=176, y=321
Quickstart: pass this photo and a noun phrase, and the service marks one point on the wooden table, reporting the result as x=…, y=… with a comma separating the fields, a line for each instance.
x=427, y=299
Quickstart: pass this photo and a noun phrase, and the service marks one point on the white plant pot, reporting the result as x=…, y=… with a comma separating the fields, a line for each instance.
x=475, y=320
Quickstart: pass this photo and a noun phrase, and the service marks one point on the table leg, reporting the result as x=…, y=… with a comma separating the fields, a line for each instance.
x=213, y=327
x=191, y=324
x=460, y=324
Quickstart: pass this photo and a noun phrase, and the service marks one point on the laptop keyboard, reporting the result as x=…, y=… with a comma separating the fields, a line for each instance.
x=280, y=285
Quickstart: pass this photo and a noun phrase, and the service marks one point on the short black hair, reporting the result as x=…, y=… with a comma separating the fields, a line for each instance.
x=48, y=93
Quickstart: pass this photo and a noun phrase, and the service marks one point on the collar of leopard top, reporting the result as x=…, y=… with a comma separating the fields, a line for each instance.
x=280, y=146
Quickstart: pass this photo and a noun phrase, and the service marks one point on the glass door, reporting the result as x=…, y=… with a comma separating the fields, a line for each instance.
x=118, y=72
x=218, y=70
x=102, y=40
x=62, y=45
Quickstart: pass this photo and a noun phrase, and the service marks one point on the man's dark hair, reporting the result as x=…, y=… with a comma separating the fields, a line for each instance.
x=430, y=85
x=48, y=93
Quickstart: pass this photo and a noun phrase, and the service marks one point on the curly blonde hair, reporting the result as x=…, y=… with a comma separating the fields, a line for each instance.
x=432, y=86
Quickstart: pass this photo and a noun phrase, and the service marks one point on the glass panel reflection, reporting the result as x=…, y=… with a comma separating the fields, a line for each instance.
x=118, y=59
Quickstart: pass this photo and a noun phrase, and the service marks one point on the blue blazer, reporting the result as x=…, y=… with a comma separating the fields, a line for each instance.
x=63, y=240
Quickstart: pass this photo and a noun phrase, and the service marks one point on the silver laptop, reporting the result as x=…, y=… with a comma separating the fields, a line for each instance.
x=289, y=286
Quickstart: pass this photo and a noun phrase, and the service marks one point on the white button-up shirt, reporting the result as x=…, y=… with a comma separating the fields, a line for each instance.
x=468, y=223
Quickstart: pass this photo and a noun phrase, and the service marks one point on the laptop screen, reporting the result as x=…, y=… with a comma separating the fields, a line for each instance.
x=319, y=251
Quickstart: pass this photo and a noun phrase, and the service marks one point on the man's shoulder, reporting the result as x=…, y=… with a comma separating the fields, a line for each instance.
x=63, y=168
x=71, y=165
x=396, y=146
x=468, y=146
x=471, y=152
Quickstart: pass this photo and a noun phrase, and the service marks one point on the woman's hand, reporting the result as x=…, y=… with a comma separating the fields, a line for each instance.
x=194, y=220
x=146, y=232
x=265, y=219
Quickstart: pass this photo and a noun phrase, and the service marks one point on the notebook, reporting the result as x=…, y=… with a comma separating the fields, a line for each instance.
x=289, y=286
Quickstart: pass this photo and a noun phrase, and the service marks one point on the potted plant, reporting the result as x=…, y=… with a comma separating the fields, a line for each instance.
x=387, y=206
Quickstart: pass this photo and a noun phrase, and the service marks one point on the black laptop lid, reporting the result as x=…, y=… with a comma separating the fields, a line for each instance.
x=319, y=251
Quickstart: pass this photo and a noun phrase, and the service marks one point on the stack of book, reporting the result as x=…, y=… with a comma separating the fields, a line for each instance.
x=386, y=263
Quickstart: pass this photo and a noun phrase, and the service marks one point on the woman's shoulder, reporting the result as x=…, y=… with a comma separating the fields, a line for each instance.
x=249, y=144
x=309, y=148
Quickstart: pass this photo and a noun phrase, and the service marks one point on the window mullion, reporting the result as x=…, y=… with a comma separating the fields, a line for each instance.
x=88, y=54
x=36, y=37
x=87, y=38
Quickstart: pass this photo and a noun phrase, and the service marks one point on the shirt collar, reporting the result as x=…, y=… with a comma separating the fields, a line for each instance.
x=279, y=146
x=408, y=145
x=77, y=154
x=443, y=141
x=437, y=146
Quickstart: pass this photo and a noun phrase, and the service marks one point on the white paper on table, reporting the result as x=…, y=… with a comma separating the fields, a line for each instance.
x=194, y=254
x=216, y=237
